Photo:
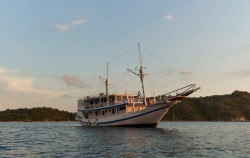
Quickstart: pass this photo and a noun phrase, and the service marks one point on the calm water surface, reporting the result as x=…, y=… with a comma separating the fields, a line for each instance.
x=169, y=139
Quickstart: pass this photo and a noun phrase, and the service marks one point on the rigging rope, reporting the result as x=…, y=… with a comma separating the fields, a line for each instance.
x=156, y=86
x=122, y=54
x=132, y=82
x=146, y=50
x=119, y=81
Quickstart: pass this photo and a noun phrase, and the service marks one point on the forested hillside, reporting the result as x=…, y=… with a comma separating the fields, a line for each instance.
x=233, y=107
x=36, y=114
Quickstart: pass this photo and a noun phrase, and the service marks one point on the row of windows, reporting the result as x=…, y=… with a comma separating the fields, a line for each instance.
x=102, y=112
x=102, y=100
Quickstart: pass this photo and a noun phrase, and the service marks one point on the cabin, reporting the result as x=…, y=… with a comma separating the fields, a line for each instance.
x=102, y=106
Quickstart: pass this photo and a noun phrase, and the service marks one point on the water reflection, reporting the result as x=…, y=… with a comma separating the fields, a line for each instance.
x=128, y=142
x=188, y=139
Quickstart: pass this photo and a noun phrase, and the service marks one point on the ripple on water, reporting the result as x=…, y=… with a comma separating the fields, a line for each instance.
x=170, y=139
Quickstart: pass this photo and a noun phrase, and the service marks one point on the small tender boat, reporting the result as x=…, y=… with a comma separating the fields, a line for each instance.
x=129, y=109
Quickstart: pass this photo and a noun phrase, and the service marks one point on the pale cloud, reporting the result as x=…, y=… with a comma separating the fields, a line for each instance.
x=67, y=96
x=62, y=27
x=175, y=72
x=3, y=70
x=186, y=73
x=78, y=22
x=18, y=91
x=71, y=25
x=73, y=80
x=169, y=72
x=169, y=17
x=243, y=73
x=19, y=84
x=15, y=83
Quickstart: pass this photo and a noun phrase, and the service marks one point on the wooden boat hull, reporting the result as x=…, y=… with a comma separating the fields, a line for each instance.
x=148, y=117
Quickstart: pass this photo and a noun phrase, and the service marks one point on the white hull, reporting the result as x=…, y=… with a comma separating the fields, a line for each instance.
x=148, y=117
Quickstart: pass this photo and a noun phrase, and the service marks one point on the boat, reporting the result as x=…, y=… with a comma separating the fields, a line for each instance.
x=129, y=110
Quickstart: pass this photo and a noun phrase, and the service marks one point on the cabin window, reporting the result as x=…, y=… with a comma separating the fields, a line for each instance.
x=97, y=101
x=86, y=115
x=96, y=113
x=111, y=99
x=113, y=111
x=103, y=112
x=123, y=108
x=91, y=102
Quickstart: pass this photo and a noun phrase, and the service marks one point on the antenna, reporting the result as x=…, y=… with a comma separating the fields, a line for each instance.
x=139, y=50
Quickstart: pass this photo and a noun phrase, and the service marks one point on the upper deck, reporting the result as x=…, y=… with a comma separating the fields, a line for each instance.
x=102, y=101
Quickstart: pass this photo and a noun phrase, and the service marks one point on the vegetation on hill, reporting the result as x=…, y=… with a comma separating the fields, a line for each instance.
x=36, y=114
x=234, y=107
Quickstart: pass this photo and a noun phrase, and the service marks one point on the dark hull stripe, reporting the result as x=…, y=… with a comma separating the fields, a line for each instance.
x=148, y=125
x=101, y=123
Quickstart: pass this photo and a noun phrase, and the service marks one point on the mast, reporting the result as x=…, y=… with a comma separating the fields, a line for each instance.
x=141, y=75
x=107, y=83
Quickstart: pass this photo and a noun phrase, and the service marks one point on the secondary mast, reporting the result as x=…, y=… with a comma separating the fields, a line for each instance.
x=107, y=83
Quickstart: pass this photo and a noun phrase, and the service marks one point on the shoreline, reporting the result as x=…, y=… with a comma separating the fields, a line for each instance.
x=160, y=121
x=202, y=121
x=37, y=121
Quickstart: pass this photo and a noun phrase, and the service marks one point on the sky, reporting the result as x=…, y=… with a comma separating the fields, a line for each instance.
x=52, y=52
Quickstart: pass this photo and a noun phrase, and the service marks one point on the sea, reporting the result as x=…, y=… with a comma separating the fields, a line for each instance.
x=169, y=139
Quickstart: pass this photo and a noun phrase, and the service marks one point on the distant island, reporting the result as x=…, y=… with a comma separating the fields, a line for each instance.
x=44, y=114
x=229, y=107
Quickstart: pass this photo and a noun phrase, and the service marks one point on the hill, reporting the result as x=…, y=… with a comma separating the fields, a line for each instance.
x=230, y=107
x=233, y=107
x=36, y=114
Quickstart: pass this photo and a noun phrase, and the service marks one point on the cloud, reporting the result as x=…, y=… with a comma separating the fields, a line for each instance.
x=244, y=73
x=66, y=96
x=3, y=70
x=62, y=27
x=175, y=72
x=19, y=84
x=186, y=73
x=168, y=72
x=71, y=25
x=14, y=83
x=73, y=80
x=169, y=17
x=78, y=22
